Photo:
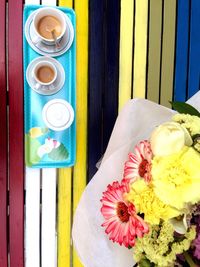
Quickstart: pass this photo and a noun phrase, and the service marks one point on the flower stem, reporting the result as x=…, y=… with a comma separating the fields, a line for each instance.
x=189, y=260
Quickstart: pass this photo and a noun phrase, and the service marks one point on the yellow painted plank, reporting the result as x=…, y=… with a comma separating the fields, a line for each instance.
x=126, y=49
x=64, y=202
x=64, y=216
x=140, y=49
x=155, y=28
x=168, y=49
x=66, y=3
x=79, y=177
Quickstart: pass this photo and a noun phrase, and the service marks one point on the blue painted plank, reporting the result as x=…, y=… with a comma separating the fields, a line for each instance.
x=96, y=83
x=182, y=49
x=110, y=109
x=194, y=58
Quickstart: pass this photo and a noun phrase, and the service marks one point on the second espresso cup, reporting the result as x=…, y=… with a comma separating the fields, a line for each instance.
x=49, y=23
x=44, y=73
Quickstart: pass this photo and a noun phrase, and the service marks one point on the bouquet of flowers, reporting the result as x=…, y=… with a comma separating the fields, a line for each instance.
x=153, y=209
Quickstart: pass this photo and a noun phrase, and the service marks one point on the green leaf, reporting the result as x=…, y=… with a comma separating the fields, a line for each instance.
x=31, y=148
x=59, y=153
x=182, y=107
x=146, y=263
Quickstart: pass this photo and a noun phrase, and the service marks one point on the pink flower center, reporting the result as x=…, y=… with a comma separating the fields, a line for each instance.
x=122, y=212
x=143, y=167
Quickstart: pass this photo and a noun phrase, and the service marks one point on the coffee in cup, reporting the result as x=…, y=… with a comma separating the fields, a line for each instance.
x=45, y=73
x=48, y=23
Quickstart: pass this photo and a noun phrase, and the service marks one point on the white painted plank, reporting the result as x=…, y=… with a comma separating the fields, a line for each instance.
x=32, y=2
x=49, y=244
x=32, y=218
x=49, y=2
x=32, y=230
x=32, y=208
x=49, y=247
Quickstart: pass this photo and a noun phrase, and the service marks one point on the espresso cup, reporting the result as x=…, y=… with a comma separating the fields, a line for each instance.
x=49, y=23
x=44, y=73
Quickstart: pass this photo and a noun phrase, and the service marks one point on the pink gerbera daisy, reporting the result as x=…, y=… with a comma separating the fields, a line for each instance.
x=139, y=164
x=122, y=223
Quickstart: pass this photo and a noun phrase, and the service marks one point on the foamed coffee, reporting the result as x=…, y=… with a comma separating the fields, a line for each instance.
x=45, y=74
x=47, y=25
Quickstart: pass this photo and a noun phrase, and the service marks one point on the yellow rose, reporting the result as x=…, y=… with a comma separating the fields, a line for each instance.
x=169, y=138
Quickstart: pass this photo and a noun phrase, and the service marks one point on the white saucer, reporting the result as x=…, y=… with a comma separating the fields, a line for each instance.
x=58, y=114
x=44, y=49
x=46, y=89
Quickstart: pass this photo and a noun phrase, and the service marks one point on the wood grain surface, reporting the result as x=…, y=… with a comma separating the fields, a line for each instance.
x=140, y=48
x=64, y=219
x=16, y=135
x=110, y=97
x=194, y=50
x=80, y=169
x=182, y=50
x=126, y=51
x=154, y=49
x=96, y=82
x=3, y=138
x=168, y=52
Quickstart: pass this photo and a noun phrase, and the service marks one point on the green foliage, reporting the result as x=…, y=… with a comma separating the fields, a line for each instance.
x=182, y=107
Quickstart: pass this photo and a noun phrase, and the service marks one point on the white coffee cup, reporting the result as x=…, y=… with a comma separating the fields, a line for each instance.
x=49, y=11
x=35, y=74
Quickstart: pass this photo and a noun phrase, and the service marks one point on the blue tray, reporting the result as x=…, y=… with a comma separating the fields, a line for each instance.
x=37, y=134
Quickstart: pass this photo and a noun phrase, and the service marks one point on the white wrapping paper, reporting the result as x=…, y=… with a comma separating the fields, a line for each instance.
x=135, y=123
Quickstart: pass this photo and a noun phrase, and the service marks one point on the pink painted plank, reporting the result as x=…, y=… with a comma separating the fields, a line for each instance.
x=3, y=138
x=16, y=142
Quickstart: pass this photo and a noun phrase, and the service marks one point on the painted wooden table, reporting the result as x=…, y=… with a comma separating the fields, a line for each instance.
x=125, y=49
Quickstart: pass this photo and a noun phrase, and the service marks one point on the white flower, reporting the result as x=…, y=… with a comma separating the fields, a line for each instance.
x=169, y=138
x=48, y=146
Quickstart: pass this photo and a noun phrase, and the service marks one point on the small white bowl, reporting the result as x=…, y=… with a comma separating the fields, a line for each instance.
x=58, y=114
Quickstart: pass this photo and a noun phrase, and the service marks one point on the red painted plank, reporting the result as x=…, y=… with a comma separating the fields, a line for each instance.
x=16, y=147
x=3, y=138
